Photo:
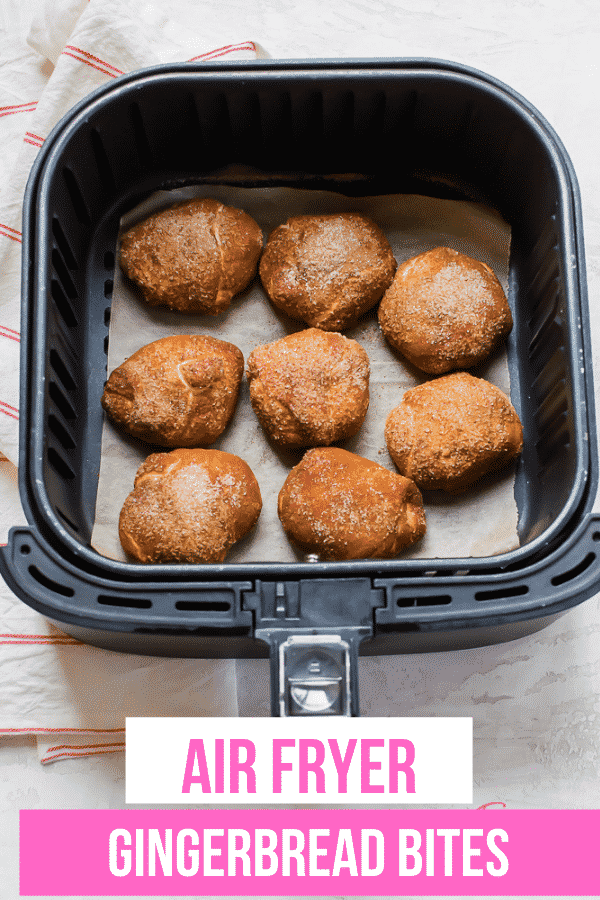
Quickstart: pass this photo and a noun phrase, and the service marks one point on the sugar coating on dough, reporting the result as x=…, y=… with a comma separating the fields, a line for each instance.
x=310, y=388
x=327, y=270
x=189, y=506
x=193, y=257
x=449, y=432
x=444, y=311
x=179, y=391
x=341, y=506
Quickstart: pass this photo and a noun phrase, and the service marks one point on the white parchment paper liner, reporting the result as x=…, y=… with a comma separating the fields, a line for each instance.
x=481, y=522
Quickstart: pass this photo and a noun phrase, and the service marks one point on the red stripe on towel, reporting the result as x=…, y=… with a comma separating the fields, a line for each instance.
x=18, y=106
x=223, y=51
x=88, y=63
x=8, y=228
x=22, y=107
x=11, y=337
x=70, y=755
x=95, y=58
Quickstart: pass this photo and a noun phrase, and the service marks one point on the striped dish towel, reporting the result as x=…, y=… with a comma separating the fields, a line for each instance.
x=75, y=46
x=72, y=696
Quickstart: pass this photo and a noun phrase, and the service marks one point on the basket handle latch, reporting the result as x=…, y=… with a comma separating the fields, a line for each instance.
x=314, y=628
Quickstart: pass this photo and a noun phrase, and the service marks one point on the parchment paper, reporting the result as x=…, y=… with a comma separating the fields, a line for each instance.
x=481, y=522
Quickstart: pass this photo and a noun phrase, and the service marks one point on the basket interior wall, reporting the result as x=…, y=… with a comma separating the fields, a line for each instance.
x=425, y=134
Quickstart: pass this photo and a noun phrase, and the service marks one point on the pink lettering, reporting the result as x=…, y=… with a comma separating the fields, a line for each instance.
x=342, y=763
x=278, y=765
x=196, y=754
x=316, y=766
x=406, y=766
x=236, y=765
x=367, y=765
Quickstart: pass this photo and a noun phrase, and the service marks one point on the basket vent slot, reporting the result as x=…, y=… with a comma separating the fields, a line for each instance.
x=61, y=370
x=109, y=260
x=203, y=605
x=369, y=114
x=276, y=121
x=126, y=602
x=552, y=372
x=102, y=163
x=63, y=275
x=108, y=288
x=555, y=422
x=543, y=292
x=192, y=124
x=542, y=328
x=429, y=600
x=570, y=574
x=74, y=191
x=553, y=448
x=338, y=118
x=141, y=138
x=62, y=304
x=50, y=584
x=63, y=245
x=503, y=593
x=59, y=465
x=60, y=433
x=67, y=520
x=554, y=401
x=61, y=401
x=307, y=120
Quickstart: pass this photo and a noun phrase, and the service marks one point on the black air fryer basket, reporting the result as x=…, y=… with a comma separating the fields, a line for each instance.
x=404, y=126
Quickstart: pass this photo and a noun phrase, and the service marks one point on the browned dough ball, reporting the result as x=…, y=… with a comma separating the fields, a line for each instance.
x=189, y=506
x=340, y=506
x=327, y=270
x=447, y=433
x=192, y=257
x=444, y=311
x=179, y=391
x=309, y=389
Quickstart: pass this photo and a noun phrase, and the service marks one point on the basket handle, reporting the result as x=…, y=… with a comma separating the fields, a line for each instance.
x=314, y=628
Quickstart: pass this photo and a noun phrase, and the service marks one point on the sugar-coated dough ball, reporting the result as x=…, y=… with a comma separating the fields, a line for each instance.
x=310, y=388
x=447, y=433
x=341, y=506
x=189, y=506
x=193, y=257
x=444, y=311
x=327, y=270
x=179, y=391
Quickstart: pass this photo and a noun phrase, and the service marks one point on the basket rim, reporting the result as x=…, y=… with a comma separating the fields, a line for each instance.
x=34, y=496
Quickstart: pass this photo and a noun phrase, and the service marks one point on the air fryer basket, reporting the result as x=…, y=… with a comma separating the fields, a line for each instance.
x=410, y=126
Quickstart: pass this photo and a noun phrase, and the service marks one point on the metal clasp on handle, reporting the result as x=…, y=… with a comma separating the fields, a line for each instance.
x=314, y=676
x=314, y=628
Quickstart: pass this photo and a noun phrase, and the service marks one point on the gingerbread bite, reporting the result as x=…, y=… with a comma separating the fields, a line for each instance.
x=189, y=506
x=449, y=432
x=310, y=388
x=444, y=311
x=327, y=270
x=193, y=257
x=179, y=391
x=341, y=506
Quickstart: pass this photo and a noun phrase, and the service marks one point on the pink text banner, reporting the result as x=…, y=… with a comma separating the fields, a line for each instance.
x=320, y=852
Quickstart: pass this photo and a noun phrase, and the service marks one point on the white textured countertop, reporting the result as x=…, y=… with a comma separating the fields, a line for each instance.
x=534, y=701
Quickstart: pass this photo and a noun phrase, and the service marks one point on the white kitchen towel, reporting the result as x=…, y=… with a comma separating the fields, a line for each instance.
x=75, y=46
x=76, y=697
